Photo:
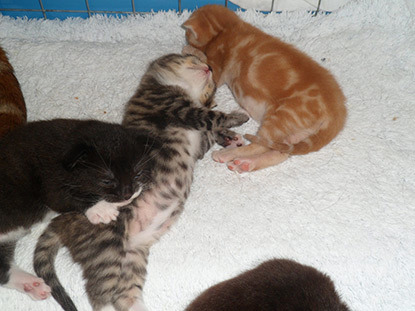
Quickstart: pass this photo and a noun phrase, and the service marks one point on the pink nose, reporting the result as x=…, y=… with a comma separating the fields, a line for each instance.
x=207, y=69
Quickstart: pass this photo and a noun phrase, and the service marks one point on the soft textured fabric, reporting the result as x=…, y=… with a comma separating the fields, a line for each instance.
x=348, y=209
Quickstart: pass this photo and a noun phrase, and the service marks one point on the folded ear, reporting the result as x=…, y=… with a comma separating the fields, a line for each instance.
x=75, y=155
x=190, y=28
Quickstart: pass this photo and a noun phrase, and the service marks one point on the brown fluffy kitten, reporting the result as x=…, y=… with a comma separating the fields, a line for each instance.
x=275, y=285
x=298, y=103
x=12, y=104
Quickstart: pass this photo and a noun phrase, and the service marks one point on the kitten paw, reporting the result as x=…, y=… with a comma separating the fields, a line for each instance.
x=102, y=212
x=236, y=119
x=37, y=290
x=223, y=155
x=27, y=283
x=138, y=306
x=237, y=141
x=229, y=139
x=241, y=165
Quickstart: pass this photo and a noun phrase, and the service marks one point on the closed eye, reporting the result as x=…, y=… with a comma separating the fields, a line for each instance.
x=108, y=183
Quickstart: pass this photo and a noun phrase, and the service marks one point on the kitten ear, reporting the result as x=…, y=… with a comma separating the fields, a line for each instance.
x=189, y=27
x=76, y=154
x=200, y=30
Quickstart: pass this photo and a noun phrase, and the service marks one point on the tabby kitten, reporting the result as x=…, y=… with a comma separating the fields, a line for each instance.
x=12, y=104
x=298, y=103
x=64, y=165
x=172, y=104
x=114, y=273
x=278, y=284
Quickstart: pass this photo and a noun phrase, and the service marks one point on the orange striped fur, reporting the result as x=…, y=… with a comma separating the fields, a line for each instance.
x=12, y=104
x=298, y=103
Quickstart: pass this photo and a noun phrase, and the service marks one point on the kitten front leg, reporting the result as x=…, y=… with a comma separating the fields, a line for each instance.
x=206, y=119
x=105, y=212
x=102, y=212
x=233, y=119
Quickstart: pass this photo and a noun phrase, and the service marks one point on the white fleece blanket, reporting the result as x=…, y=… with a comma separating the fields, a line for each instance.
x=348, y=210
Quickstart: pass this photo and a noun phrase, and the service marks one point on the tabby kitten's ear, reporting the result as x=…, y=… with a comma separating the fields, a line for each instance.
x=75, y=155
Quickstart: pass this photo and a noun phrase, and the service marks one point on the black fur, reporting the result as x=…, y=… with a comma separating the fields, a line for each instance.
x=64, y=165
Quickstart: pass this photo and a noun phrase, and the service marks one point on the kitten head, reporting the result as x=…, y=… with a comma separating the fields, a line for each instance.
x=108, y=163
x=206, y=23
x=187, y=72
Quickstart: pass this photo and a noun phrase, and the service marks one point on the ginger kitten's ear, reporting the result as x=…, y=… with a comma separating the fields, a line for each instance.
x=198, y=31
x=191, y=27
x=187, y=25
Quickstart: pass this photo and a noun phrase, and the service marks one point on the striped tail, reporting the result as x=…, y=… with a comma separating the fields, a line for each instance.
x=12, y=104
x=46, y=250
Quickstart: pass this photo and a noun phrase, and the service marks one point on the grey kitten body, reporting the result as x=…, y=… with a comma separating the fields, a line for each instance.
x=172, y=104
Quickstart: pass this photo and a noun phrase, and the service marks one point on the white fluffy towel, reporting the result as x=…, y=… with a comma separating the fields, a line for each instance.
x=348, y=209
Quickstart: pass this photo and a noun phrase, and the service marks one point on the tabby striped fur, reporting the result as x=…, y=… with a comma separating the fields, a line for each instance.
x=173, y=104
x=114, y=276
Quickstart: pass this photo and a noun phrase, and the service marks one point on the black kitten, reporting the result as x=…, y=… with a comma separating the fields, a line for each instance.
x=61, y=166
x=275, y=285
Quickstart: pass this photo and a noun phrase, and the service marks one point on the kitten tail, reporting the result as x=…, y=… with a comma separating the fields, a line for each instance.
x=46, y=250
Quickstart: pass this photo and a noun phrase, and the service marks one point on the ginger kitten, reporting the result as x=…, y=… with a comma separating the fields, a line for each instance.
x=12, y=104
x=298, y=103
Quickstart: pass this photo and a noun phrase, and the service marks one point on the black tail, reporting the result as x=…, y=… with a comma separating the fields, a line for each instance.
x=46, y=250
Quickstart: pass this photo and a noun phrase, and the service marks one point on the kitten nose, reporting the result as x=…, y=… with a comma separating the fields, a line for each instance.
x=127, y=193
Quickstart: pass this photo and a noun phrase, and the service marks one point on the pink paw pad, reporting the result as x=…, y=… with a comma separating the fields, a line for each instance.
x=245, y=167
x=231, y=167
x=240, y=165
x=237, y=141
x=37, y=290
x=27, y=283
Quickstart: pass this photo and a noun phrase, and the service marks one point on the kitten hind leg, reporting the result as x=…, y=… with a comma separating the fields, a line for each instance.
x=257, y=162
x=12, y=276
x=27, y=283
x=229, y=154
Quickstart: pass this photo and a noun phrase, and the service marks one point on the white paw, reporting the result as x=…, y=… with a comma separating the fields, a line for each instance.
x=27, y=283
x=237, y=141
x=102, y=212
x=138, y=306
x=223, y=155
